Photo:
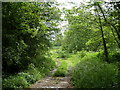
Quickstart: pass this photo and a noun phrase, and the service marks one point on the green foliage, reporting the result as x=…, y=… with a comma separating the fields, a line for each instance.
x=59, y=53
x=34, y=72
x=58, y=39
x=73, y=60
x=114, y=56
x=61, y=70
x=22, y=79
x=30, y=78
x=83, y=30
x=82, y=53
x=27, y=29
x=62, y=54
x=15, y=82
x=77, y=57
x=91, y=72
x=44, y=64
x=80, y=29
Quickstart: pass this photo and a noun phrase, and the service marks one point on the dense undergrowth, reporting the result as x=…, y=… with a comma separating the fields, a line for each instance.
x=35, y=72
x=93, y=72
x=90, y=69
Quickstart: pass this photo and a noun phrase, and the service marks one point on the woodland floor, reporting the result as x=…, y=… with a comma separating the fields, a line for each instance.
x=53, y=82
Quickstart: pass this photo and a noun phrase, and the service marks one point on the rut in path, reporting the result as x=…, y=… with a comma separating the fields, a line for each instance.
x=53, y=82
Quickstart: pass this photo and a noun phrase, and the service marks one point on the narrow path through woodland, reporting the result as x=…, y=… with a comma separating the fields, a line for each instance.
x=53, y=82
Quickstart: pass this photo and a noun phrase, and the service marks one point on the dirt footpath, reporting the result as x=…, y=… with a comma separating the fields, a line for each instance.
x=53, y=82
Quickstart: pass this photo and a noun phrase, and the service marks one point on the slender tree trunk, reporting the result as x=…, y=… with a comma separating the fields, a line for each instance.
x=104, y=42
x=103, y=38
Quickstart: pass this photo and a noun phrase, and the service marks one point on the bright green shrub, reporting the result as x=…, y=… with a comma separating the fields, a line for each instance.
x=15, y=82
x=22, y=79
x=93, y=73
x=34, y=74
x=29, y=78
x=44, y=64
x=62, y=69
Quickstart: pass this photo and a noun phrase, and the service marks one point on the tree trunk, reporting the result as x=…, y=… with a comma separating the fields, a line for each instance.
x=103, y=38
x=104, y=42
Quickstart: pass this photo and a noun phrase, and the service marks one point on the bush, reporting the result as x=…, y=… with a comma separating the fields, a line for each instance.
x=22, y=79
x=44, y=64
x=93, y=73
x=62, y=70
x=41, y=67
x=29, y=78
x=34, y=72
x=31, y=74
x=15, y=82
